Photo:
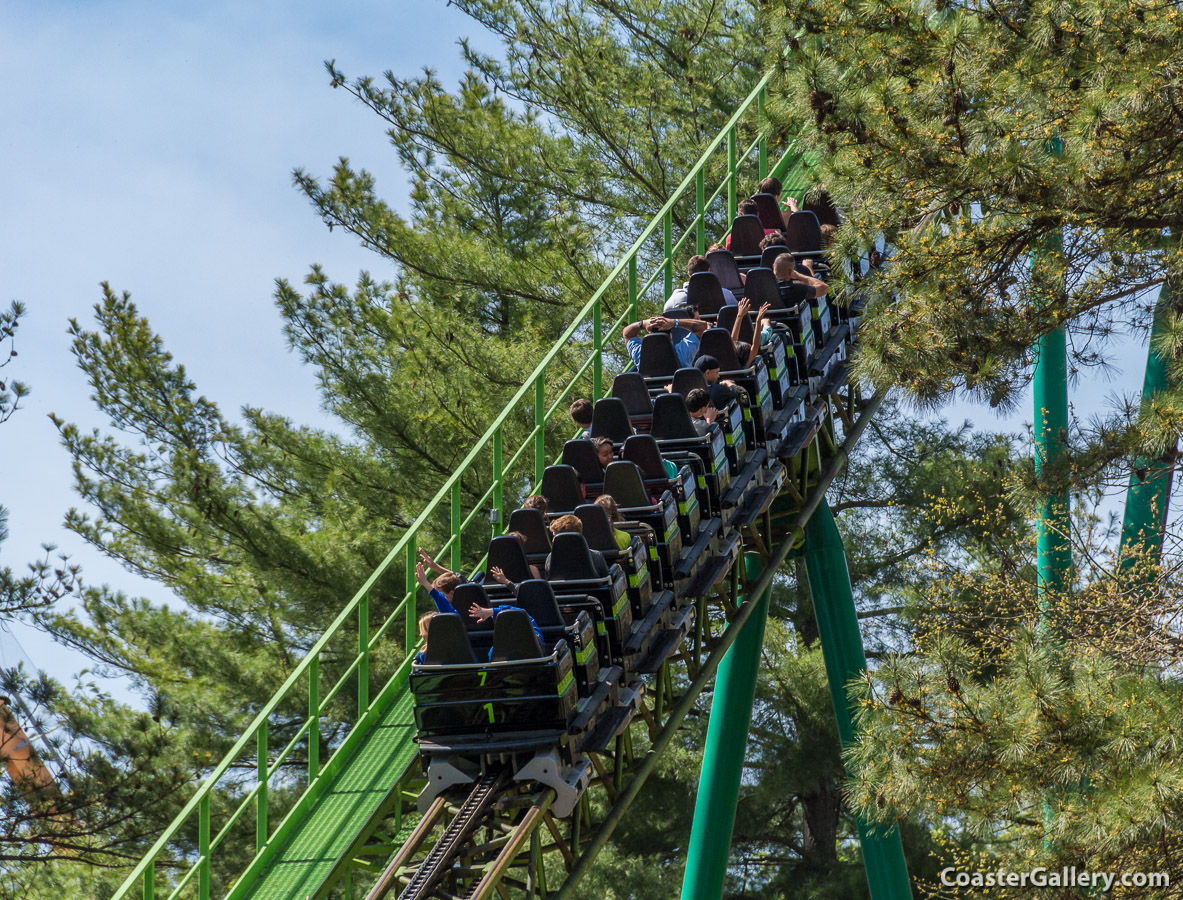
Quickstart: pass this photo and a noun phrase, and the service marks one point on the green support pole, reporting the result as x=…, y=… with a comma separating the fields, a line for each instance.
x=632, y=289
x=762, y=125
x=598, y=350
x=1054, y=567
x=1150, y=482
x=842, y=647
x=667, y=234
x=722, y=761
x=1051, y=429
x=700, y=213
x=732, y=187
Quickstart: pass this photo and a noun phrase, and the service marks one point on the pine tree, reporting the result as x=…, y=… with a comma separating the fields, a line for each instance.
x=970, y=139
x=968, y=136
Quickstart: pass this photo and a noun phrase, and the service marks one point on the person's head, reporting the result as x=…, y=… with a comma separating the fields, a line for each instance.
x=581, y=412
x=770, y=185
x=603, y=450
x=709, y=366
x=447, y=583
x=566, y=523
x=535, y=501
x=783, y=267
x=424, y=622
x=697, y=402
x=697, y=264
x=828, y=232
x=521, y=538
x=608, y=503
x=776, y=239
x=747, y=208
x=713, y=247
x=742, y=351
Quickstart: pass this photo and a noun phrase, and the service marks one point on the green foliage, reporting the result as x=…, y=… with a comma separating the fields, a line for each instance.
x=972, y=135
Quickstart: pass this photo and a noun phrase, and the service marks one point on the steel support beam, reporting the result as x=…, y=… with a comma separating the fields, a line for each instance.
x=1150, y=482
x=842, y=647
x=722, y=761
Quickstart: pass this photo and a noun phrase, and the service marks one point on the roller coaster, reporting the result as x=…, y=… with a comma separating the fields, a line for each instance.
x=500, y=764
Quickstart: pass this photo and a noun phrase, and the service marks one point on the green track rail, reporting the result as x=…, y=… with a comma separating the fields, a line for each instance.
x=367, y=774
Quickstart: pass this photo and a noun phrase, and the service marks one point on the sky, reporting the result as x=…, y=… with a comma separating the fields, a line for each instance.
x=151, y=146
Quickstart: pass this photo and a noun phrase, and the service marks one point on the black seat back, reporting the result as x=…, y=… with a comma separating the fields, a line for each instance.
x=581, y=456
x=627, y=486
x=761, y=288
x=630, y=387
x=726, y=321
x=537, y=598
x=597, y=530
x=705, y=293
x=722, y=263
x=532, y=526
x=560, y=487
x=717, y=342
x=569, y=557
x=642, y=450
x=746, y=234
x=804, y=232
x=514, y=637
x=658, y=358
x=507, y=554
x=671, y=421
x=768, y=210
x=823, y=208
x=464, y=598
x=770, y=254
x=686, y=380
x=447, y=642
x=610, y=417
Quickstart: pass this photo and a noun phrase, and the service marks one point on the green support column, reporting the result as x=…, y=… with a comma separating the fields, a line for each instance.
x=1050, y=387
x=1150, y=482
x=842, y=647
x=1051, y=429
x=722, y=761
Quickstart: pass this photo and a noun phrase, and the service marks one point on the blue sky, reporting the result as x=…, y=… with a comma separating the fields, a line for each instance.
x=151, y=146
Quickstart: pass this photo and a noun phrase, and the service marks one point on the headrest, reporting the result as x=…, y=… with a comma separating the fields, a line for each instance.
x=537, y=598
x=597, y=530
x=658, y=357
x=506, y=553
x=560, y=487
x=610, y=419
x=717, y=342
x=464, y=598
x=671, y=421
x=705, y=293
x=630, y=387
x=570, y=559
x=769, y=211
x=514, y=637
x=623, y=481
x=642, y=450
x=760, y=288
x=531, y=524
x=447, y=642
x=582, y=457
x=686, y=380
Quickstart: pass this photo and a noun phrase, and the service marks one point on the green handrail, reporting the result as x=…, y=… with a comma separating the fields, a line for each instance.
x=530, y=396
